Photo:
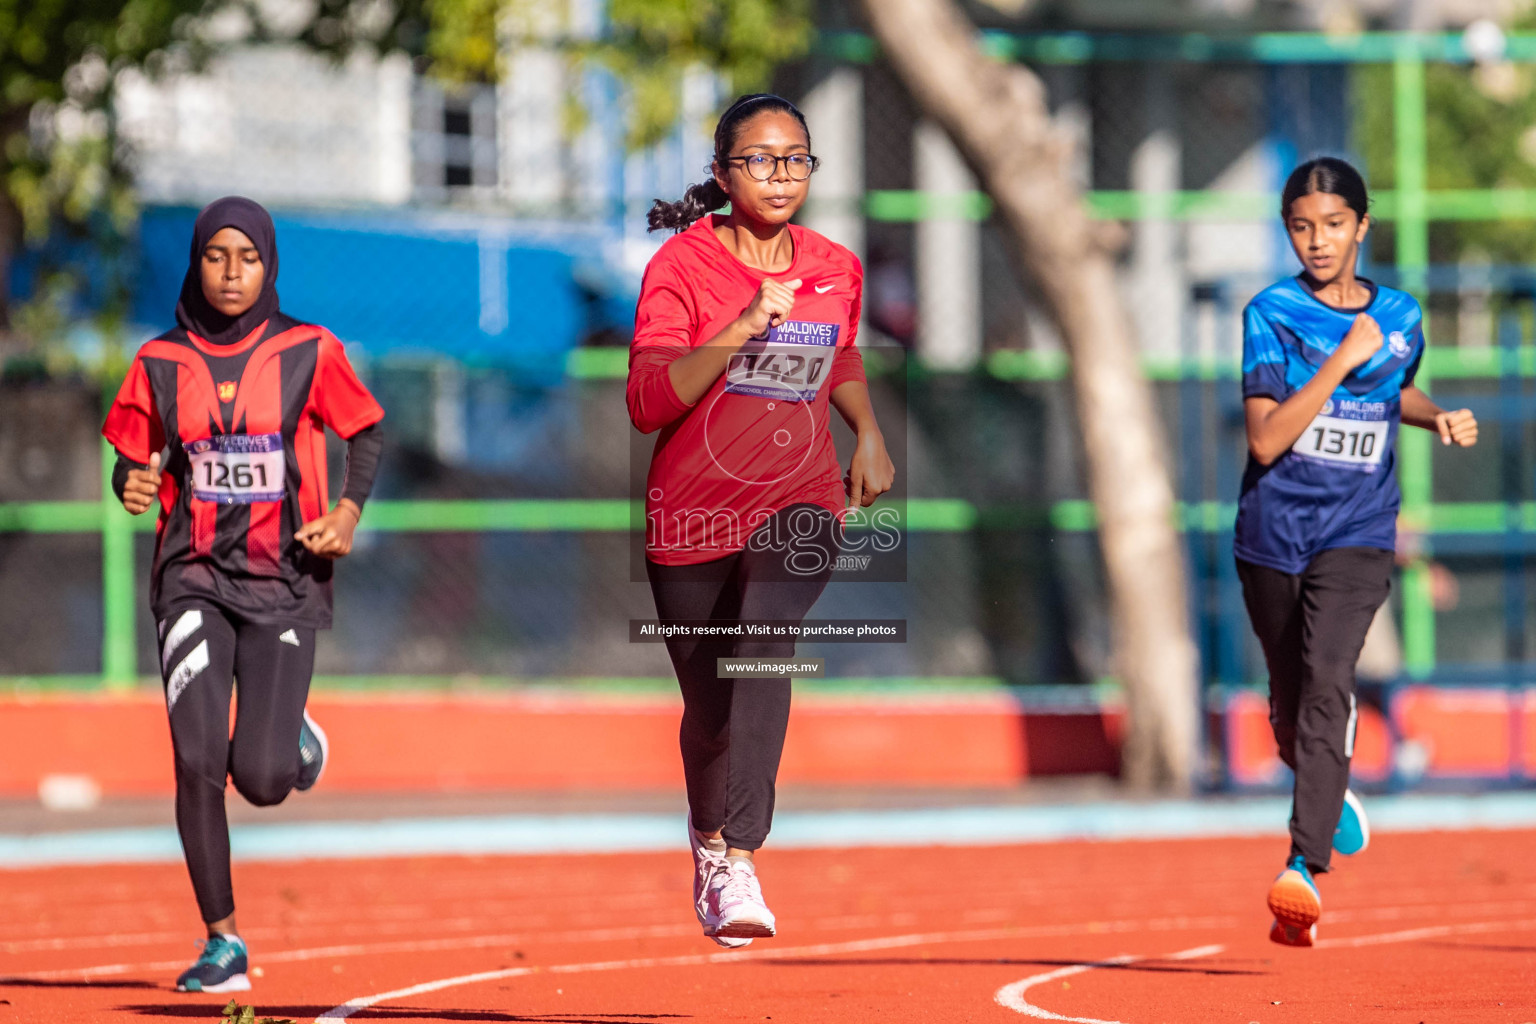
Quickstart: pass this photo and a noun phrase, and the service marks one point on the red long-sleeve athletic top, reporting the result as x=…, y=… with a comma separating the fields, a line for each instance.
x=760, y=438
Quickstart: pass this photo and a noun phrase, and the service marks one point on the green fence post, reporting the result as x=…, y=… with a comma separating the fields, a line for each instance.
x=1412, y=261
x=119, y=653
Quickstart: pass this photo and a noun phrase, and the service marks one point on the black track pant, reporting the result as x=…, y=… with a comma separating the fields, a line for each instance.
x=732, y=734
x=202, y=651
x=1312, y=626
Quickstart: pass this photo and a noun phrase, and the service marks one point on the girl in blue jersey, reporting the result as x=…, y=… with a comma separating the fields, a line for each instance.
x=1328, y=366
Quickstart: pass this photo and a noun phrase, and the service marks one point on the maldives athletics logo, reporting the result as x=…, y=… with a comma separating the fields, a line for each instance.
x=1398, y=344
x=226, y=391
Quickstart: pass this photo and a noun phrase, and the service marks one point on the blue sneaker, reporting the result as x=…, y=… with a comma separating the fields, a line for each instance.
x=1354, y=831
x=1296, y=904
x=313, y=749
x=221, y=968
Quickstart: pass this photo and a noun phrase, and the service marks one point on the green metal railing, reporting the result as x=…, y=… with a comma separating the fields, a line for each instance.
x=919, y=515
x=1411, y=206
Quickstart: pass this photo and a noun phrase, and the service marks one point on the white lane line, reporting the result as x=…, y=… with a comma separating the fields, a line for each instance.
x=352, y=1006
x=1431, y=932
x=90, y=942
x=604, y=935
x=1011, y=996
x=379, y=949
x=1418, y=911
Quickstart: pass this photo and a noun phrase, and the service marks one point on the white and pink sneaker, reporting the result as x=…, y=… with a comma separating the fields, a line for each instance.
x=736, y=903
x=708, y=863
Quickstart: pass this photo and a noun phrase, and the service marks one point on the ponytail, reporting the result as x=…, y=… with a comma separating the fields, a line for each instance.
x=708, y=196
x=696, y=202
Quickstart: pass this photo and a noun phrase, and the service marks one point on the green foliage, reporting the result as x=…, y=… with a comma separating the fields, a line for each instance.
x=41, y=41
x=652, y=44
x=234, y=1013
x=61, y=176
x=61, y=57
x=1480, y=134
x=61, y=167
x=462, y=37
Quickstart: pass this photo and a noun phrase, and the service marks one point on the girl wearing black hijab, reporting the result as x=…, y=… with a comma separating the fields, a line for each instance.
x=221, y=421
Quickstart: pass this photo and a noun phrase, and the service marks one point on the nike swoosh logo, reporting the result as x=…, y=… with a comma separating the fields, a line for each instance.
x=822, y=289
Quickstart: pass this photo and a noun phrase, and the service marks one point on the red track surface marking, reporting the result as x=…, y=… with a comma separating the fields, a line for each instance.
x=1433, y=927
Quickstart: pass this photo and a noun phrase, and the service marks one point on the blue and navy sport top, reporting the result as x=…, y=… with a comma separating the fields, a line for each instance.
x=1337, y=485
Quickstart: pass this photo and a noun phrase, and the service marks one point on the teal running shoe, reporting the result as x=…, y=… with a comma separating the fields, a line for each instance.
x=313, y=751
x=221, y=968
x=1354, y=831
x=1296, y=904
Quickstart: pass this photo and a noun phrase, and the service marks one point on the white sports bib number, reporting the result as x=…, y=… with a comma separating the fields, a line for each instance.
x=790, y=367
x=237, y=469
x=1353, y=442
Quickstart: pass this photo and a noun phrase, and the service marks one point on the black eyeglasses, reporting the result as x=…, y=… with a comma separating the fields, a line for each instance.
x=763, y=166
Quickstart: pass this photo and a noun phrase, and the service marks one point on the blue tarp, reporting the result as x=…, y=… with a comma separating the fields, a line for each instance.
x=399, y=282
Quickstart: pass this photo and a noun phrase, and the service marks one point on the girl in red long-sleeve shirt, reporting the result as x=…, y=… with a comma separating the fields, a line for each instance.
x=744, y=341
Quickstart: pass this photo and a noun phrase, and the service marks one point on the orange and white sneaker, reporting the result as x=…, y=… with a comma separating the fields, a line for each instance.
x=1296, y=904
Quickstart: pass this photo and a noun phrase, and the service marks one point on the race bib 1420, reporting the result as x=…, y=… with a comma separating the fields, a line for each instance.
x=237, y=469
x=790, y=366
x=1351, y=442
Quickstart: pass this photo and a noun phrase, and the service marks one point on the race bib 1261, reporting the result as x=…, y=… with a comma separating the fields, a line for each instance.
x=1335, y=439
x=237, y=469
x=790, y=366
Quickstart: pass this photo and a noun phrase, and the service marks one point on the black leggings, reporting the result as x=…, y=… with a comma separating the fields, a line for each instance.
x=202, y=652
x=732, y=733
x=1312, y=626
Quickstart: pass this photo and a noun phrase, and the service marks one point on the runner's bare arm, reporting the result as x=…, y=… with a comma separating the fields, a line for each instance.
x=1274, y=426
x=1419, y=410
x=692, y=375
x=871, y=471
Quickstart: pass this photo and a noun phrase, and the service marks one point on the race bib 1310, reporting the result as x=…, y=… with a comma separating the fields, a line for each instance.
x=1351, y=442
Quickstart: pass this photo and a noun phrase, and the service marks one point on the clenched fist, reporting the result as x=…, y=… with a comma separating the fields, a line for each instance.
x=770, y=306
x=143, y=486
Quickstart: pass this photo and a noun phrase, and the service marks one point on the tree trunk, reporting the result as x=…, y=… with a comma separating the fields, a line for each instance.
x=997, y=116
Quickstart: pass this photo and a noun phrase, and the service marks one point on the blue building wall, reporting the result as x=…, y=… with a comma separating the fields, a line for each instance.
x=506, y=294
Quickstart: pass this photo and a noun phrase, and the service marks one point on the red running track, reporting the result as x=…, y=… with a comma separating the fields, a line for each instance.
x=1435, y=927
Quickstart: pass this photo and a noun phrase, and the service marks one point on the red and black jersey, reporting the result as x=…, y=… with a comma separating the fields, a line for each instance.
x=244, y=425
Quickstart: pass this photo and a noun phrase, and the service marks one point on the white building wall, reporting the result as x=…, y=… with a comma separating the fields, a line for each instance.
x=1156, y=285
x=834, y=110
x=531, y=135
x=275, y=123
x=948, y=257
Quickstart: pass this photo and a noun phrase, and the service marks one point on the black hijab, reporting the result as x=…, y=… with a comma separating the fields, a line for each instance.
x=193, y=311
